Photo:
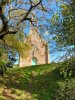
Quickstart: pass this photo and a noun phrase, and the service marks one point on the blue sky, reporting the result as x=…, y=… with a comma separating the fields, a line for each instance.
x=54, y=55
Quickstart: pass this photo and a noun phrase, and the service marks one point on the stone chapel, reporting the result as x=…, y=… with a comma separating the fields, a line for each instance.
x=39, y=54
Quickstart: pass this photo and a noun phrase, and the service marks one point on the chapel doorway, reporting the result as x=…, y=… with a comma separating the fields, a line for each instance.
x=34, y=61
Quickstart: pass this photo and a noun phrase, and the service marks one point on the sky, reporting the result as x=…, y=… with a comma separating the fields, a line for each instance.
x=54, y=55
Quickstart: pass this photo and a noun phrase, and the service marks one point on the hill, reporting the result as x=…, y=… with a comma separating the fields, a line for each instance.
x=39, y=82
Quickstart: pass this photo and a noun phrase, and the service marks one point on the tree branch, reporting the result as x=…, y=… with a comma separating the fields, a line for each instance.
x=4, y=31
x=30, y=9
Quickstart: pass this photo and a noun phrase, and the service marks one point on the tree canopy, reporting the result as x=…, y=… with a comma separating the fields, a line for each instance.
x=15, y=16
x=64, y=25
x=68, y=23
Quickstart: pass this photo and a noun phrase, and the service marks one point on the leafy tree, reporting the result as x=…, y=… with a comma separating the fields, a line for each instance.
x=15, y=16
x=68, y=23
x=63, y=26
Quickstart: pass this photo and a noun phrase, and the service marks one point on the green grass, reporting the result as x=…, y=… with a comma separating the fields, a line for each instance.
x=31, y=83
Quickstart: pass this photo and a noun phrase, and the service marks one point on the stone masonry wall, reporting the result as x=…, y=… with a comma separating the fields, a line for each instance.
x=38, y=51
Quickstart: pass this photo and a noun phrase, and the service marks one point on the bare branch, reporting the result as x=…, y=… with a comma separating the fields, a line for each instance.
x=5, y=30
x=30, y=9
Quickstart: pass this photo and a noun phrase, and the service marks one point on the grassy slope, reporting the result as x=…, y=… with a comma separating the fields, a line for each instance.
x=30, y=83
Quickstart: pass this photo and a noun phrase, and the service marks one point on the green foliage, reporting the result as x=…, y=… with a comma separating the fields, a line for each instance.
x=42, y=82
x=67, y=68
x=67, y=91
x=3, y=54
x=2, y=67
x=68, y=23
x=2, y=63
x=32, y=83
x=18, y=44
x=63, y=23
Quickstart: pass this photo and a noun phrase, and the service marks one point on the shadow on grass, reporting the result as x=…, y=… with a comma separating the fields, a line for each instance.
x=41, y=82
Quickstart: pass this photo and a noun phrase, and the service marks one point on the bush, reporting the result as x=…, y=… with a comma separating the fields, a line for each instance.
x=66, y=92
x=67, y=68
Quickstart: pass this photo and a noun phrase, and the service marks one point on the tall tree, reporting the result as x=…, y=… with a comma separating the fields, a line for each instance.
x=64, y=25
x=15, y=16
x=68, y=23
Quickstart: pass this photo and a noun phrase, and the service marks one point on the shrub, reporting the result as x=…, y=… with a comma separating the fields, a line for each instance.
x=66, y=92
x=67, y=68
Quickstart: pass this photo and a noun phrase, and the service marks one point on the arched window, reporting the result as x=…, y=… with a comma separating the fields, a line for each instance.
x=34, y=61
